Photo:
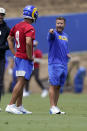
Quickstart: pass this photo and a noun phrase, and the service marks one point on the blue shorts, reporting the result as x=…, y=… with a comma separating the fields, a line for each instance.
x=57, y=74
x=23, y=67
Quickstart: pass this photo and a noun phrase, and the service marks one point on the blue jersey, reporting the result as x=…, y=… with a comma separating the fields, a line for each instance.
x=58, y=48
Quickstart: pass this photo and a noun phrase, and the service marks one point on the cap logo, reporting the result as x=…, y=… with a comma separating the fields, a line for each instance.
x=34, y=10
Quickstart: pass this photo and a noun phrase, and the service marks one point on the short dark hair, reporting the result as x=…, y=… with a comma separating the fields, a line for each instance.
x=61, y=18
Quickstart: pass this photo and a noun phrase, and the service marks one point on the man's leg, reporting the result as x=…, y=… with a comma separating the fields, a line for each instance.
x=19, y=104
x=44, y=90
x=17, y=92
x=2, y=68
x=27, y=83
x=19, y=99
x=26, y=91
x=36, y=74
x=52, y=95
x=16, y=95
x=57, y=91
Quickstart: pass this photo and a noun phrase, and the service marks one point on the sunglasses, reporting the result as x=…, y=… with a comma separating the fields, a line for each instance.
x=2, y=14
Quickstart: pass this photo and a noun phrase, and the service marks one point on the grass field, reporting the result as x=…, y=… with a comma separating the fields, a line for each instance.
x=75, y=106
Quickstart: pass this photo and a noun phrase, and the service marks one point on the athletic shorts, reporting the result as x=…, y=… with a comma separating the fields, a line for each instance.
x=57, y=74
x=23, y=67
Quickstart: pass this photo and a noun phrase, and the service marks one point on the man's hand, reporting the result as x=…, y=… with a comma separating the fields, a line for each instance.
x=11, y=44
x=69, y=56
x=32, y=59
x=51, y=31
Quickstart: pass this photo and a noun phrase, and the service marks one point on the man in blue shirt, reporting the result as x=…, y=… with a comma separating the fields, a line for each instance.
x=58, y=58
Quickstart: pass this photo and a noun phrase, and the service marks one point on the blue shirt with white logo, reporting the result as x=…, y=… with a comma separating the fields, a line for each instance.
x=58, y=48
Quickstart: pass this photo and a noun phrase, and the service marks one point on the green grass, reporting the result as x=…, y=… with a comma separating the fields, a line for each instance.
x=75, y=106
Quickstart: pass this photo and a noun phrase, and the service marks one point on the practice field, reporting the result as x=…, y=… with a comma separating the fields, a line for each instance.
x=75, y=106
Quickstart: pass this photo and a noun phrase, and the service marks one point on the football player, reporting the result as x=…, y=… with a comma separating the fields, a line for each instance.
x=23, y=33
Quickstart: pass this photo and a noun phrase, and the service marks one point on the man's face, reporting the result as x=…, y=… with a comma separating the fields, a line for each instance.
x=1, y=16
x=60, y=24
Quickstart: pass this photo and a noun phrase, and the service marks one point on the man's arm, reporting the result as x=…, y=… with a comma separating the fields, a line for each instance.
x=11, y=44
x=29, y=47
x=5, y=46
x=51, y=34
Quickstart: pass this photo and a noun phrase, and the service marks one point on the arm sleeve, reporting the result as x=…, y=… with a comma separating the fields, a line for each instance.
x=67, y=50
x=50, y=36
x=30, y=32
x=12, y=32
x=5, y=46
